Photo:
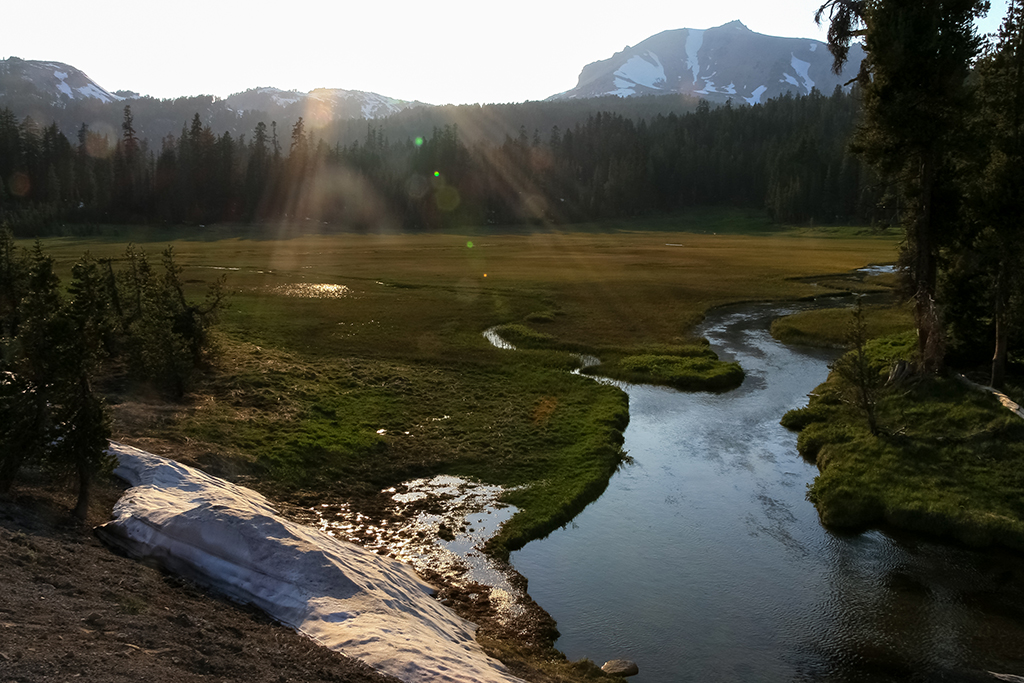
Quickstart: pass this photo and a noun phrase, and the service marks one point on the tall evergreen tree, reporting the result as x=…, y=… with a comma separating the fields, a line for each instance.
x=915, y=104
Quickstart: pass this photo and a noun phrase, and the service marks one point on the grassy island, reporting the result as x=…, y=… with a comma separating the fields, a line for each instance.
x=688, y=367
x=948, y=460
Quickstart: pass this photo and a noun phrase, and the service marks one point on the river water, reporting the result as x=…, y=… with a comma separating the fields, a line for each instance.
x=703, y=561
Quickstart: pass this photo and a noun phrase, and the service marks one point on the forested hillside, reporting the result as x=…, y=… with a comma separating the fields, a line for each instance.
x=788, y=156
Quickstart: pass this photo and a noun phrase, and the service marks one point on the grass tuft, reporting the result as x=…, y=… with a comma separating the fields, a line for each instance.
x=689, y=372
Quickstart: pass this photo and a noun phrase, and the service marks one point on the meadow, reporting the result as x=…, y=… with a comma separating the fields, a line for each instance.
x=348, y=363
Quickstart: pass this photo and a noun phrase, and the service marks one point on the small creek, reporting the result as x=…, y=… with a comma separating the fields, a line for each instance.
x=703, y=561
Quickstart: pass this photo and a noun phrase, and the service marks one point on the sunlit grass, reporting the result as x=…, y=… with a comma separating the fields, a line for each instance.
x=830, y=327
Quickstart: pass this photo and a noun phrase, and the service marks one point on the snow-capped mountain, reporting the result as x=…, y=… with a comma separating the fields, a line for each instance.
x=55, y=80
x=322, y=104
x=54, y=84
x=720, y=63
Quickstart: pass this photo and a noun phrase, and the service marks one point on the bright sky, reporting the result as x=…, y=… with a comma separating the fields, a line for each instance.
x=441, y=52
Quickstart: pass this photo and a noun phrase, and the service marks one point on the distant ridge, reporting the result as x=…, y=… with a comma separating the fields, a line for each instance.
x=721, y=63
x=55, y=84
x=331, y=103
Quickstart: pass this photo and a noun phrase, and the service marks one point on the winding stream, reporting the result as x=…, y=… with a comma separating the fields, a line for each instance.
x=704, y=562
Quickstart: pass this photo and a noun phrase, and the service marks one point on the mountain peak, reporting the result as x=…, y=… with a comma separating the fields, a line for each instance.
x=717, y=64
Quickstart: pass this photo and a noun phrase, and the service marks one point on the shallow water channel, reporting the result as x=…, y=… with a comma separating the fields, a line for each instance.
x=703, y=561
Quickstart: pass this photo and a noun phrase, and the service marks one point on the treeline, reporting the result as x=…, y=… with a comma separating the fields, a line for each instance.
x=788, y=156
x=54, y=344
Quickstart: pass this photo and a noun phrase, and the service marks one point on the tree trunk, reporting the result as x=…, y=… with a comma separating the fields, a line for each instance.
x=1002, y=337
x=930, y=336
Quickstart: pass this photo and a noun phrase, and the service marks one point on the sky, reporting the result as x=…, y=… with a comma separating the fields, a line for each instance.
x=441, y=52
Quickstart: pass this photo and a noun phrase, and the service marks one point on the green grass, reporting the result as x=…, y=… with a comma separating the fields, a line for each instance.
x=829, y=327
x=949, y=461
x=692, y=367
x=698, y=371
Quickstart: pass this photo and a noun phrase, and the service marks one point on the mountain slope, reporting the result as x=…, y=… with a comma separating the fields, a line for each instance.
x=54, y=81
x=720, y=63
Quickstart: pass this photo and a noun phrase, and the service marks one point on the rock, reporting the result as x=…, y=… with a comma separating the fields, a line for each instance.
x=620, y=667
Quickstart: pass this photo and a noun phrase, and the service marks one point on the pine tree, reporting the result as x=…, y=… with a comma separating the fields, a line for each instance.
x=50, y=414
x=914, y=106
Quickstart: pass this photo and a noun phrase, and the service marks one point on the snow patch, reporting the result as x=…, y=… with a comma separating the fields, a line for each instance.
x=801, y=67
x=694, y=40
x=62, y=76
x=92, y=90
x=786, y=78
x=710, y=87
x=645, y=70
x=623, y=88
x=341, y=595
x=755, y=97
x=814, y=46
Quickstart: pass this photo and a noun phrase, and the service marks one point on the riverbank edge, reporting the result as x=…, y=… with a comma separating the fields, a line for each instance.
x=938, y=467
x=684, y=367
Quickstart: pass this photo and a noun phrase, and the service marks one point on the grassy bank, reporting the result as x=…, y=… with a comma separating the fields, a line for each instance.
x=829, y=327
x=949, y=461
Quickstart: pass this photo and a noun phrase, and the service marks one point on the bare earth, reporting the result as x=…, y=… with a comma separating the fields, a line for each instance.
x=70, y=608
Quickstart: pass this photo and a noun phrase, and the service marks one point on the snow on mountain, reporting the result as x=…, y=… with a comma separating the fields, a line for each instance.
x=322, y=104
x=720, y=63
x=57, y=84
x=56, y=79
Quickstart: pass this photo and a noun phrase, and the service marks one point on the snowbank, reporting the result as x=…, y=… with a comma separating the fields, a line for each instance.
x=344, y=597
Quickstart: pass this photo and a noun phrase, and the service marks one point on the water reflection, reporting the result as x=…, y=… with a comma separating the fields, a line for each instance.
x=704, y=561
x=311, y=290
x=437, y=525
